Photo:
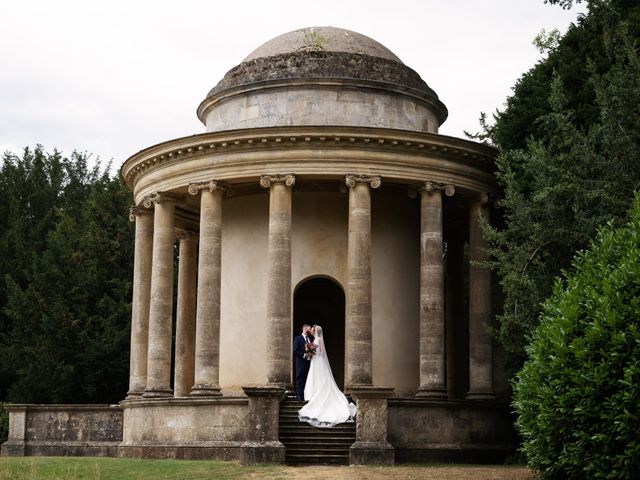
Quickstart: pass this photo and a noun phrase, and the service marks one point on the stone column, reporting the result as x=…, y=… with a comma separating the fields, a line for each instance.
x=141, y=297
x=432, y=325
x=371, y=446
x=185, y=315
x=160, y=311
x=358, y=302
x=207, y=359
x=480, y=353
x=279, y=279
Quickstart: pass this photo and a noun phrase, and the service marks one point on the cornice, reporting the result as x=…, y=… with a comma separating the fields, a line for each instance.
x=325, y=138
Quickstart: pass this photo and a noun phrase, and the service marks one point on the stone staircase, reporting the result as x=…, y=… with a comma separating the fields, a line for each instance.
x=307, y=445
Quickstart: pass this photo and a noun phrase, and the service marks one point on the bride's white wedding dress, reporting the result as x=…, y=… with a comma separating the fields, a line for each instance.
x=327, y=405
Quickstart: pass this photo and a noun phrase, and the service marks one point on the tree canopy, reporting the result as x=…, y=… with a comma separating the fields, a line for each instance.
x=66, y=255
x=570, y=159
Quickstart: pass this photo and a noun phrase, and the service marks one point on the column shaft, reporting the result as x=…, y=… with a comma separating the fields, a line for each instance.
x=207, y=359
x=480, y=349
x=140, y=302
x=160, y=312
x=359, y=349
x=279, y=280
x=185, y=316
x=432, y=326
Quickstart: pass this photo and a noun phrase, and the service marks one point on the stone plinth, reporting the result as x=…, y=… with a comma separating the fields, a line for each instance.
x=371, y=446
x=184, y=428
x=263, y=420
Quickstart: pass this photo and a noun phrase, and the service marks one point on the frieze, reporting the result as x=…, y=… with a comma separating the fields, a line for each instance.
x=213, y=144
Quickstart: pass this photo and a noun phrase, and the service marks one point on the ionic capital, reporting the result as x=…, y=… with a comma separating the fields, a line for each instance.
x=136, y=210
x=430, y=187
x=158, y=197
x=211, y=185
x=483, y=198
x=373, y=181
x=182, y=234
x=267, y=180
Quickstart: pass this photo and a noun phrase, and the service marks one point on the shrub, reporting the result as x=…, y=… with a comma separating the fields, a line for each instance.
x=4, y=424
x=578, y=395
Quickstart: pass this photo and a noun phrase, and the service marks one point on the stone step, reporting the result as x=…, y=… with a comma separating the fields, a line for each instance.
x=324, y=441
x=309, y=445
x=317, y=459
x=316, y=431
x=309, y=428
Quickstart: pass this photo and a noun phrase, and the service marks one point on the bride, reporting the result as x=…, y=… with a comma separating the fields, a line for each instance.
x=327, y=406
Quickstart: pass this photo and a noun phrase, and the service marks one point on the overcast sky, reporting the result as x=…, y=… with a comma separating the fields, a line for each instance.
x=111, y=78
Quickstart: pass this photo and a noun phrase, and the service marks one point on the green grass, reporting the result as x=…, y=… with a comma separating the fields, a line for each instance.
x=93, y=468
x=78, y=468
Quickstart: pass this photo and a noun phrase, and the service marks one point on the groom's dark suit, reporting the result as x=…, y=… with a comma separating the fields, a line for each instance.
x=302, y=365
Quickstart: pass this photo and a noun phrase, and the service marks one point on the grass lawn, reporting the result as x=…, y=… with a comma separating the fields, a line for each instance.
x=91, y=468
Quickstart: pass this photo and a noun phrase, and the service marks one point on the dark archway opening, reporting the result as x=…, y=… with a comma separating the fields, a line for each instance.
x=321, y=301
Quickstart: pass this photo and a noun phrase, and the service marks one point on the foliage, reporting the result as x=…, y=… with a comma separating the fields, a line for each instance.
x=66, y=250
x=4, y=424
x=568, y=179
x=578, y=394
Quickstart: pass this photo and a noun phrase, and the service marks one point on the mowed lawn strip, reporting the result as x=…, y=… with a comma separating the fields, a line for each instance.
x=74, y=468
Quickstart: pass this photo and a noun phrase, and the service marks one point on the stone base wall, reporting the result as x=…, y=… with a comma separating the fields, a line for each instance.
x=63, y=430
x=450, y=431
x=185, y=428
x=221, y=428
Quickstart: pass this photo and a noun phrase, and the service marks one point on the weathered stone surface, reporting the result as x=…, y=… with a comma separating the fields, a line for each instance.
x=279, y=280
x=450, y=430
x=432, y=326
x=263, y=445
x=63, y=430
x=359, y=367
x=480, y=348
x=371, y=446
x=185, y=316
x=140, y=303
x=161, y=306
x=207, y=356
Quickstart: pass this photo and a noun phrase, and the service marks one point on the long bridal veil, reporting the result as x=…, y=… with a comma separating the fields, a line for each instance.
x=327, y=406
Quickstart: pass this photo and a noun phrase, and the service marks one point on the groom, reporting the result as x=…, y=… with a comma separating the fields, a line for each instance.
x=302, y=363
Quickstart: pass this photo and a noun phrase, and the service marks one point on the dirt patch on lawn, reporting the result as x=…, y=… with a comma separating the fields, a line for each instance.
x=410, y=473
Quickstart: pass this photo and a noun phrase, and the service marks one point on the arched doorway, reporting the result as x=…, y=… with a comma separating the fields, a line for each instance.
x=320, y=300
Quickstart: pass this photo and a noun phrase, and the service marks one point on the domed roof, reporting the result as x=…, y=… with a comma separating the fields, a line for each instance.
x=322, y=59
x=326, y=39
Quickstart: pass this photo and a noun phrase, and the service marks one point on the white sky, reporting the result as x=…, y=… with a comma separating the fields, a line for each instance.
x=114, y=77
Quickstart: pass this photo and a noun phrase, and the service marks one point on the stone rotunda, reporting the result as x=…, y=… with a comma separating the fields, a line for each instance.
x=322, y=193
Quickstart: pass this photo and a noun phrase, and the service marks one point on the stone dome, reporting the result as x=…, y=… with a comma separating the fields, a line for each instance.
x=322, y=76
x=328, y=39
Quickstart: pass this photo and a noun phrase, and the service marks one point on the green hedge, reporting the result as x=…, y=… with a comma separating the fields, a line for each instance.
x=578, y=395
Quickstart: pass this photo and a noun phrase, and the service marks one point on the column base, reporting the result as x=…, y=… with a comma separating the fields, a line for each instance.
x=438, y=392
x=205, y=390
x=371, y=453
x=13, y=448
x=134, y=395
x=480, y=396
x=157, y=393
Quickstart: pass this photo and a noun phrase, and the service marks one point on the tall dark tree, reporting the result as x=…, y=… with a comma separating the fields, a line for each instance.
x=577, y=168
x=66, y=252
